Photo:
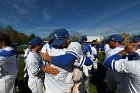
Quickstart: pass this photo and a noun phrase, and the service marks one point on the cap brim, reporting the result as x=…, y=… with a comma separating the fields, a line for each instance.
x=58, y=42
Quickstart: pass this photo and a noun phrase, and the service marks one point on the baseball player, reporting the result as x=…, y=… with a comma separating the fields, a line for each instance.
x=34, y=64
x=94, y=53
x=106, y=47
x=129, y=66
x=63, y=82
x=86, y=69
x=26, y=52
x=114, y=79
x=8, y=65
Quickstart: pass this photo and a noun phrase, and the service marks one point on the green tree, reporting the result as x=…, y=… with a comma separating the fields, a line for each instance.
x=15, y=36
x=1, y=29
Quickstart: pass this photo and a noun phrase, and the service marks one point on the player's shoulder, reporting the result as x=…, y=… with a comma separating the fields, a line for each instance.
x=31, y=54
x=46, y=45
x=74, y=45
x=118, y=49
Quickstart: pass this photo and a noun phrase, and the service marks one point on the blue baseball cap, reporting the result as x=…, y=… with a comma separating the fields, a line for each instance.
x=84, y=37
x=116, y=37
x=59, y=37
x=36, y=41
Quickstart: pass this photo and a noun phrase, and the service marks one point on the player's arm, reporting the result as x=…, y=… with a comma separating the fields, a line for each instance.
x=62, y=60
x=84, y=60
x=69, y=58
x=112, y=61
x=50, y=70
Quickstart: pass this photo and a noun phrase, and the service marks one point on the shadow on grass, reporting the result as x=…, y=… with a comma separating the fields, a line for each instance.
x=22, y=87
x=97, y=78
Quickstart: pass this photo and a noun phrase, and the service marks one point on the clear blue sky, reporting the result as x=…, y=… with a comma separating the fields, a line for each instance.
x=90, y=17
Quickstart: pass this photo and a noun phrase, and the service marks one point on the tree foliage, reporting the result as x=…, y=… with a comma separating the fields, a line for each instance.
x=15, y=36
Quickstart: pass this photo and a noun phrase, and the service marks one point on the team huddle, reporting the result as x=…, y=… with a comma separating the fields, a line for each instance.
x=62, y=66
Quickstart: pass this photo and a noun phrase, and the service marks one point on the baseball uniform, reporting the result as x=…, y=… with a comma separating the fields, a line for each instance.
x=8, y=69
x=113, y=78
x=63, y=82
x=34, y=64
x=130, y=69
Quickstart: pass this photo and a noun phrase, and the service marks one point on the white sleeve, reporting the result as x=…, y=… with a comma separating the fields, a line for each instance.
x=125, y=66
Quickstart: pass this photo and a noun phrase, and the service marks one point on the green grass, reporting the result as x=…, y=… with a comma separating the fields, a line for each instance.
x=92, y=88
x=21, y=47
x=21, y=65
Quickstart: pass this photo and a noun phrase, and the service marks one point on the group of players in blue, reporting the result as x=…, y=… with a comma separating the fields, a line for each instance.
x=62, y=66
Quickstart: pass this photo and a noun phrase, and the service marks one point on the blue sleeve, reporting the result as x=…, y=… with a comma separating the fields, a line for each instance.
x=63, y=60
x=110, y=62
x=7, y=53
x=88, y=61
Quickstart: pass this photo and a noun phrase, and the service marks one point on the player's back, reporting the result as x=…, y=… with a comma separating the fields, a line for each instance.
x=131, y=70
x=10, y=67
x=62, y=82
x=114, y=78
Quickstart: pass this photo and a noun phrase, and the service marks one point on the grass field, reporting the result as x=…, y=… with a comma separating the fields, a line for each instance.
x=24, y=88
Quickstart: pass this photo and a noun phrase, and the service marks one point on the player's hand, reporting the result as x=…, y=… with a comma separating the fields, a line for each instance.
x=50, y=70
x=130, y=47
x=45, y=56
